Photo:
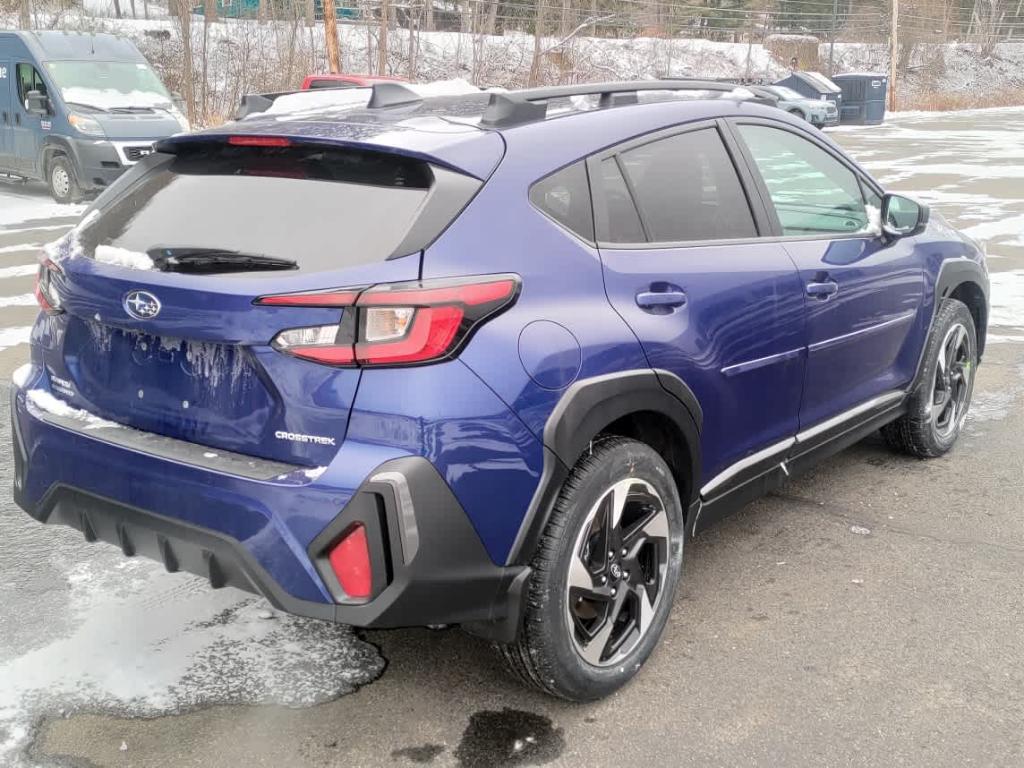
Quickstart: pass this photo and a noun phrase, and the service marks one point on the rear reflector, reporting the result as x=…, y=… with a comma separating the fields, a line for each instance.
x=395, y=323
x=350, y=561
x=259, y=141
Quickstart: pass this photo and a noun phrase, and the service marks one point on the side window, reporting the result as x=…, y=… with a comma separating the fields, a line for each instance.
x=621, y=216
x=565, y=197
x=29, y=80
x=812, y=192
x=687, y=189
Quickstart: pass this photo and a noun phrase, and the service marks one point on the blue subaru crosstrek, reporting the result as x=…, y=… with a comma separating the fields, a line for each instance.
x=485, y=360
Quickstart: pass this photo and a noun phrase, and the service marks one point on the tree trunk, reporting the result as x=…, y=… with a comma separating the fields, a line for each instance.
x=261, y=12
x=382, y=40
x=117, y=8
x=24, y=15
x=538, y=34
x=187, y=85
x=145, y=9
x=134, y=14
x=331, y=35
x=428, y=23
x=309, y=7
x=209, y=10
x=492, y=17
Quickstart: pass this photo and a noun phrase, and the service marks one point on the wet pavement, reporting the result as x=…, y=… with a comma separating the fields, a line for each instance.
x=870, y=613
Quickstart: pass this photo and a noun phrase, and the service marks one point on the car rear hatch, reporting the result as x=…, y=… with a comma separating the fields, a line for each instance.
x=157, y=286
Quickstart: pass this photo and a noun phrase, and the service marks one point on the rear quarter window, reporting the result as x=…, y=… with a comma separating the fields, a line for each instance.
x=565, y=197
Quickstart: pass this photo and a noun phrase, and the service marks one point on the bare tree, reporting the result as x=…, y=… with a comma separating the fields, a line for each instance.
x=184, y=9
x=24, y=15
x=382, y=39
x=331, y=35
x=209, y=10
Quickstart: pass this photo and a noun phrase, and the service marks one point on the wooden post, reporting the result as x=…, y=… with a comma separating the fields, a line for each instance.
x=331, y=36
x=894, y=56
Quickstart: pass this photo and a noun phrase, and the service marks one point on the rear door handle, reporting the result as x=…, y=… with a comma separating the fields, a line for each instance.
x=660, y=299
x=823, y=289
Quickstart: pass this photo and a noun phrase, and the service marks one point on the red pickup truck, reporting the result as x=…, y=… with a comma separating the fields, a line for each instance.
x=346, y=81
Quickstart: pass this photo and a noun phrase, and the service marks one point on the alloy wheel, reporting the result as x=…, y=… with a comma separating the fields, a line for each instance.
x=617, y=572
x=952, y=384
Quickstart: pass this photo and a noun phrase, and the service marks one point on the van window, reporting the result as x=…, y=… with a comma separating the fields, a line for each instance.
x=29, y=79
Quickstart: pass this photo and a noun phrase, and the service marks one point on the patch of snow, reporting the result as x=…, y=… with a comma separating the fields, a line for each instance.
x=17, y=209
x=1007, y=298
x=21, y=270
x=122, y=257
x=22, y=300
x=12, y=337
x=860, y=530
x=20, y=247
x=21, y=375
x=111, y=98
x=47, y=403
x=327, y=98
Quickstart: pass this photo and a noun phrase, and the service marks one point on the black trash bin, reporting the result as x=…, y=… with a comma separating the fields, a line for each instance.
x=864, y=95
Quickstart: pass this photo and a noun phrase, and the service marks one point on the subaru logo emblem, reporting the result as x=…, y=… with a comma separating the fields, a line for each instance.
x=142, y=305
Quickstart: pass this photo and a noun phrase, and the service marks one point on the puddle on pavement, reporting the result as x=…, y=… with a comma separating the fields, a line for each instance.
x=419, y=755
x=508, y=738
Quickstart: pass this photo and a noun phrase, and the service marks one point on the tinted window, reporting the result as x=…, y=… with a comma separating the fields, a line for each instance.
x=687, y=189
x=324, y=208
x=565, y=197
x=620, y=213
x=811, y=190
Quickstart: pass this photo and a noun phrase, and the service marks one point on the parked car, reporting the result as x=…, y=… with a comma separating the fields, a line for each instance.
x=313, y=82
x=468, y=360
x=816, y=112
x=78, y=109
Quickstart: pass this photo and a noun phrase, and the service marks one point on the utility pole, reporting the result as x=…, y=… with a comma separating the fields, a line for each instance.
x=331, y=37
x=832, y=40
x=894, y=55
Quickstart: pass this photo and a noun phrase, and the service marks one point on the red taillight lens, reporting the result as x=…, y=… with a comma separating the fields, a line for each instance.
x=395, y=324
x=46, y=293
x=350, y=561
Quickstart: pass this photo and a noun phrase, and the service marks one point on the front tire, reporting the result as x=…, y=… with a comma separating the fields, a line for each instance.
x=604, y=575
x=60, y=177
x=939, y=403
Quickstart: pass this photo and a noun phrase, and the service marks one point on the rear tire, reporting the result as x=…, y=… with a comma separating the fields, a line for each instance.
x=604, y=574
x=939, y=403
x=60, y=176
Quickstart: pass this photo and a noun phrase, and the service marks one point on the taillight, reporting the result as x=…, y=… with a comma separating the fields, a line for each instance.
x=46, y=293
x=350, y=561
x=396, y=323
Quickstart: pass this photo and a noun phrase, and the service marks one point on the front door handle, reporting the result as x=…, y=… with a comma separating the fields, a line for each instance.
x=823, y=289
x=660, y=299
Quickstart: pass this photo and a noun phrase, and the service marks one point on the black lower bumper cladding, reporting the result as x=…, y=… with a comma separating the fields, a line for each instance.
x=448, y=579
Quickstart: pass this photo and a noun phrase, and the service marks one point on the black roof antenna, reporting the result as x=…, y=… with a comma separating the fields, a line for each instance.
x=392, y=95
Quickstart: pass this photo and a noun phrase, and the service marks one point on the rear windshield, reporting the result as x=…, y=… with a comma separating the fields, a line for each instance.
x=323, y=208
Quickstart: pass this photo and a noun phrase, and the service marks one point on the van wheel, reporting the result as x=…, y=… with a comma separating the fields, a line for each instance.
x=604, y=575
x=61, y=178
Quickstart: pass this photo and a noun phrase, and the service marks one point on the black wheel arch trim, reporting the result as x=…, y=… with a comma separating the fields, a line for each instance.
x=952, y=274
x=584, y=411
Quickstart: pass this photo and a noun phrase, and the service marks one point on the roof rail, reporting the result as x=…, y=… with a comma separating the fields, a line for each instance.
x=518, y=107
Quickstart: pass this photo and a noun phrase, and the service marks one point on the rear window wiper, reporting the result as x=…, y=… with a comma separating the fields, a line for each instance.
x=215, y=260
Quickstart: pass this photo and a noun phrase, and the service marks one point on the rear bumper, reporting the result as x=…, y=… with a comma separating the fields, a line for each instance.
x=430, y=566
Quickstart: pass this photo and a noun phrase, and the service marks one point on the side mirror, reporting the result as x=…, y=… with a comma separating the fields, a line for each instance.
x=37, y=103
x=903, y=217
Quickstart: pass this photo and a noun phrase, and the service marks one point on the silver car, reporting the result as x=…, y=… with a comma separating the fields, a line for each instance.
x=820, y=113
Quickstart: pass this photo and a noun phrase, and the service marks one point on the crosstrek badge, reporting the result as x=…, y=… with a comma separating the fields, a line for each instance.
x=295, y=437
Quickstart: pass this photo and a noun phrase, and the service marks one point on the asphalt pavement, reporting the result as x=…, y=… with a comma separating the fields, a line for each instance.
x=870, y=613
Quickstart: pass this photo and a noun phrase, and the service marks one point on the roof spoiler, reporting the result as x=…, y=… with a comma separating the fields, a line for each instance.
x=383, y=95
